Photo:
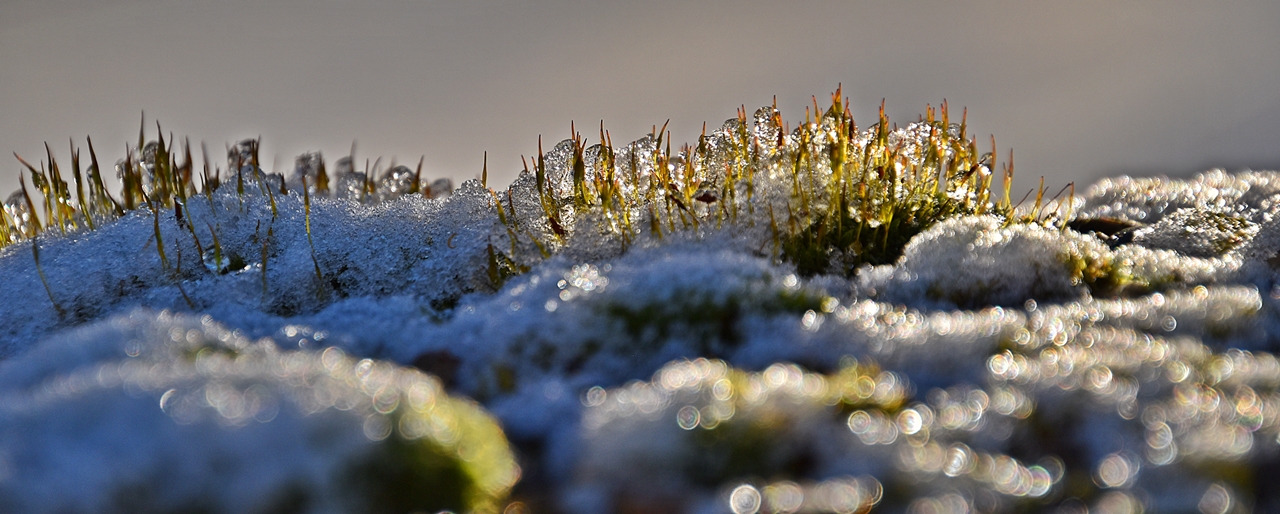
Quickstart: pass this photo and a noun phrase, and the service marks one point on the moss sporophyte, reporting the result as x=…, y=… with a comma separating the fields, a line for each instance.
x=826, y=196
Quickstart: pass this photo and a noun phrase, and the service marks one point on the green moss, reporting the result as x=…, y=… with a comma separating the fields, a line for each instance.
x=849, y=197
x=744, y=448
x=852, y=241
x=456, y=459
x=142, y=498
x=702, y=319
x=409, y=476
x=712, y=321
x=834, y=197
x=760, y=441
x=502, y=267
x=1231, y=231
x=757, y=427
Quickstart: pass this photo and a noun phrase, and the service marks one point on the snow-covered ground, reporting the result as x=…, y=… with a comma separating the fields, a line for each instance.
x=994, y=367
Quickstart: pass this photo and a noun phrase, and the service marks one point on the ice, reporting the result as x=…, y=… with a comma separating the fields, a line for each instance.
x=592, y=161
x=635, y=161
x=380, y=249
x=559, y=164
x=309, y=167
x=440, y=188
x=397, y=181
x=243, y=157
x=17, y=216
x=767, y=129
x=348, y=183
x=351, y=185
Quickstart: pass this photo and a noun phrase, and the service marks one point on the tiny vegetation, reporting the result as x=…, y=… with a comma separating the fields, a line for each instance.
x=831, y=196
x=825, y=195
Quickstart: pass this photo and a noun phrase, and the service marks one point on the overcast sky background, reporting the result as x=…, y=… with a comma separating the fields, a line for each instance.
x=1079, y=89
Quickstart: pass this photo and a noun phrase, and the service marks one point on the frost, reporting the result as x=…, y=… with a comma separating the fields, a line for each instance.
x=92, y=420
x=1197, y=233
x=977, y=261
x=701, y=330
x=1148, y=200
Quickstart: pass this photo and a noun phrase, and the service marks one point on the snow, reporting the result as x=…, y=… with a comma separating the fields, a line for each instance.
x=989, y=367
x=159, y=412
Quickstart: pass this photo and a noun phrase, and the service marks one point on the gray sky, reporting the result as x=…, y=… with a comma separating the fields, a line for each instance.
x=1079, y=89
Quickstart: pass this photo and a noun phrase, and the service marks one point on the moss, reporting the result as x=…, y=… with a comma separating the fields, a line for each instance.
x=409, y=476
x=853, y=387
x=833, y=197
x=853, y=241
x=797, y=301
x=711, y=321
x=738, y=425
x=760, y=442
x=1227, y=231
x=742, y=449
x=1236, y=229
x=704, y=320
x=142, y=498
x=1099, y=273
x=502, y=267
x=449, y=455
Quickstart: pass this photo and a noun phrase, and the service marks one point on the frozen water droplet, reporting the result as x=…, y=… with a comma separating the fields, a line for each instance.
x=343, y=165
x=222, y=262
x=592, y=160
x=18, y=216
x=396, y=182
x=439, y=188
x=635, y=164
x=559, y=169
x=350, y=185
x=241, y=153
x=242, y=157
x=274, y=182
x=308, y=166
x=767, y=128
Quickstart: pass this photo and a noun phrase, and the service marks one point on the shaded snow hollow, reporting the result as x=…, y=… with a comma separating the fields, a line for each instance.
x=993, y=367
